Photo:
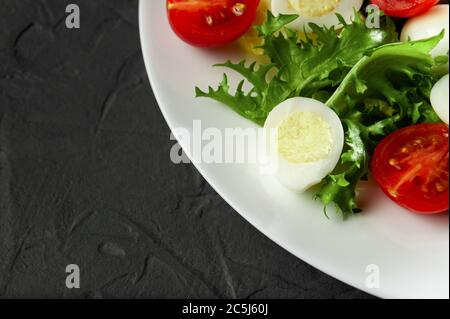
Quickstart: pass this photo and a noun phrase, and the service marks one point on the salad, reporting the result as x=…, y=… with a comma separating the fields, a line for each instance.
x=355, y=90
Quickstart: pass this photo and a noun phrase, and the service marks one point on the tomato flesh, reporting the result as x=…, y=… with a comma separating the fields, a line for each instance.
x=211, y=23
x=404, y=8
x=411, y=167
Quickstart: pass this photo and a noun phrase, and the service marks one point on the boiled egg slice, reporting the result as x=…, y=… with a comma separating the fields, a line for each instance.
x=428, y=25
x=308, y=142
x=322, y=13
x=440, y=99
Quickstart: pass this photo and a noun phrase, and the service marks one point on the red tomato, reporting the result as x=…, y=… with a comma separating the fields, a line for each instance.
x=411, y=166
x=211, y=23
x=404, y=8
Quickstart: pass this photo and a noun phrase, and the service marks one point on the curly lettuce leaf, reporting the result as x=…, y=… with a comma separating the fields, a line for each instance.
x=340, y=188
x=398, y=73
x=383, y=92
x=376, y=86
x=310, y=67
x=322, y=60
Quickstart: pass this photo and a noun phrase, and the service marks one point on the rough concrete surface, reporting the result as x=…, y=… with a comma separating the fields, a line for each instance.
x=85, y=176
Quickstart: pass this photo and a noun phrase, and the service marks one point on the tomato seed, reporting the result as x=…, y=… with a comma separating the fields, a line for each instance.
x=238, y=9
x=394, y=162
x=209, y=20
x=439, y=187
x=418, y=142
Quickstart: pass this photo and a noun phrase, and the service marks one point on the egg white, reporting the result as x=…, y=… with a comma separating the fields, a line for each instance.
x=346, y=8
x=440, y=99
x=427, y=25
x=301, y=176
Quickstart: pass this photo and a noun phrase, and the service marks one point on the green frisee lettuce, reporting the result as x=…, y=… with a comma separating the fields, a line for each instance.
x=303, y=68
x=375, y=84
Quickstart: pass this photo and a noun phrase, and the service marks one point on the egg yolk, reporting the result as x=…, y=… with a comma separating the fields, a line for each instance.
x=304, y=137
x=250, y=40
x=314, y=8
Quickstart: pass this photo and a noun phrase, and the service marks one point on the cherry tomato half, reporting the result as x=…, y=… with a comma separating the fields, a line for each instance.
x=211, y=23
x=404, y=8
x=411, y=167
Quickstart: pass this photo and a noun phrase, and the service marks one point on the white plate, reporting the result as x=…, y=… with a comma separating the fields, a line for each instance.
x=410, y=251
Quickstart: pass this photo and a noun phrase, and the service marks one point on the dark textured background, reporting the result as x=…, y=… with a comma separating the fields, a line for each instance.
x=85, y=175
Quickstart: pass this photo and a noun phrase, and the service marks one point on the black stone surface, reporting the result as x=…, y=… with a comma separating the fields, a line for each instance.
x=85, y=176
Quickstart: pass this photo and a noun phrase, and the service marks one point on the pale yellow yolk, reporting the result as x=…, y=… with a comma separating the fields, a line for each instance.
x=250, y=40
x=314, y=8
x=304, y=137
